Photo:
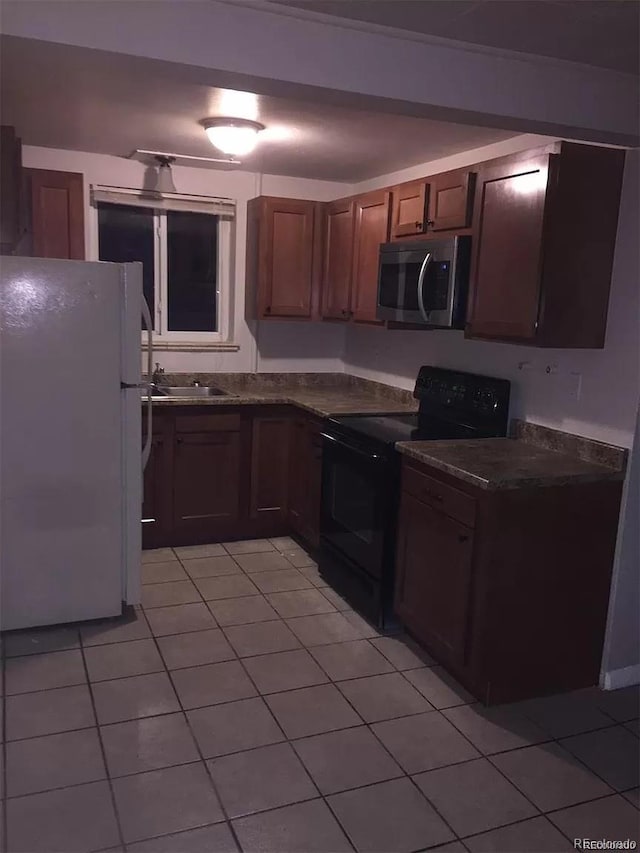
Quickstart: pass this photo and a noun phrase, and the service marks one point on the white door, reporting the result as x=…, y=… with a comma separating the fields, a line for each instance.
x=61, y=451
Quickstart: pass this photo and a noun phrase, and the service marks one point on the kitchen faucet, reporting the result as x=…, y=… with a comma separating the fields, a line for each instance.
x=158, y=373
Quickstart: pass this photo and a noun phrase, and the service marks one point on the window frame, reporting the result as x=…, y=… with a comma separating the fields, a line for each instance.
x=225, y=235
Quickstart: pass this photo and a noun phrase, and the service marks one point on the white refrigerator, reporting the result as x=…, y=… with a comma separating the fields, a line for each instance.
x=71, y=460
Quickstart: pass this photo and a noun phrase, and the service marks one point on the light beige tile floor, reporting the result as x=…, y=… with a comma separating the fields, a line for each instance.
x=246, y=707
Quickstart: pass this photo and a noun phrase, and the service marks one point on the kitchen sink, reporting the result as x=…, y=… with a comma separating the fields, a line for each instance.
x=162, y=391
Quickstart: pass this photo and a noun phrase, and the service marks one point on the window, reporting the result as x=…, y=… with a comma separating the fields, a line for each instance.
x=185, y=256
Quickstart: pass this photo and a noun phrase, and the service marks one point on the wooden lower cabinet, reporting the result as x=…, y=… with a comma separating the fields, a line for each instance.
x=235, y=473
x=507, y=589
x=305, y=478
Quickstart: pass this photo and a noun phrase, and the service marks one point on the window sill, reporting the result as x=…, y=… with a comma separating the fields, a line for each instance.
x=190, y=346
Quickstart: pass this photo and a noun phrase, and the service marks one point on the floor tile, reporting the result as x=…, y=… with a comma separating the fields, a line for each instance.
x=308, y=827
x=312, y=710
x=132, y=625
x=39, y=640
x=537, y=835
x=49, y=712
x=200, y=647
x=255, y=564
x=212, y=567
x=148, y=744
x=622, y=704
x=210, y=685
x=222, y=729
x=566, y=713
x=284, y=543
x=345, y=759
x=284, y=671
x=494, y=729
x=260, y=779
x=163, y=572
x=612, y=754
x=207, y=839
x=365, y=628
x=228, y=586
x=424, y=742
x=166, y=594
x=350, y=660
x=43, y=672
x=132, y=698
x=633, y=797
x=389, y=816
x=382, y=697
x=180, y=619
x=192, y=552
x=281, y=581
x=250, y=546
x=633, y=726
x=438, y=687
x=323, y=629
x=242, y=611
x=54, y=761
x=70, y=819
x=312, y=574
x=403, y=652
x=120, y=660
x=473, y=797
x=261, y=638
x=164, y=801
x=332, y=596
x=302, y=602
x=611, y=818
x=158, y=555
x=550, y=776
x=299, y=558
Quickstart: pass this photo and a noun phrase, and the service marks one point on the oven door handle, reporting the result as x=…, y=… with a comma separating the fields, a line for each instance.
x=374, y=456
x=423, y=271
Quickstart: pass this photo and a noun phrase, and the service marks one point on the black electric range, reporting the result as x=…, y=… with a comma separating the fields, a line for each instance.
x=360, y=479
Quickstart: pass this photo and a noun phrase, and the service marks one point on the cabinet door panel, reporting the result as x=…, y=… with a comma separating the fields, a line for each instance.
x=409, y=209
x=57, y=210
x=154, y=526
x=298, y=470
x=287, y=255
x=507, y=251
x=337, y=267
x=206, y=483
x=451, y=200
x=433, y=581
x=269, y=467
x=371, y=229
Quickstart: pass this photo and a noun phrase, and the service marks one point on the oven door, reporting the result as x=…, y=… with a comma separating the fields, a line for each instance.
x=356, y=503
x=399, y=273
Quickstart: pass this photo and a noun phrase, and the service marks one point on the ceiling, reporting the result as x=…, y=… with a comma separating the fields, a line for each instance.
x=604, y=33
x=84, y=100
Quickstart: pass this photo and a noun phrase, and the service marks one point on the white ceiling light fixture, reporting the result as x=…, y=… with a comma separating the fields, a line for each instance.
x=233, y=136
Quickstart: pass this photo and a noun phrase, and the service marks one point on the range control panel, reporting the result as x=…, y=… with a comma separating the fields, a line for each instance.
x=479, y=398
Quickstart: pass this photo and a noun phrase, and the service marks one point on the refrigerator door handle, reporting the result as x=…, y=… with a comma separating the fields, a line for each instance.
x=146, y=452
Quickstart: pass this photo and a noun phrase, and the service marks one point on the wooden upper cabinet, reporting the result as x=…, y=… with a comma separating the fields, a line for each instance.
x=544, y=230
x=338, y=255
x=410, y=209
x=281, y=255
x=57, y=214
x=451, y=200
x=371, y=228
x=10, y=189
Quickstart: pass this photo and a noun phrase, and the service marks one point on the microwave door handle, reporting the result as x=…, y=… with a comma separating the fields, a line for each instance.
x=423, y=271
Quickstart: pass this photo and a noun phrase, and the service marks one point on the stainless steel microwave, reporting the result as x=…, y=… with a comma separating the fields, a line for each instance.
x=424, y=282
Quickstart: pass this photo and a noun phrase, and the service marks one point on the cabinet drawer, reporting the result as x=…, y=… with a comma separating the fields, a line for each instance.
x=208, y=423
x=454, y=503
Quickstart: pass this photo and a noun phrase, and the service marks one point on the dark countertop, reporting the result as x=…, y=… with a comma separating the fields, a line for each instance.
x=324, y=395
x=506, y=463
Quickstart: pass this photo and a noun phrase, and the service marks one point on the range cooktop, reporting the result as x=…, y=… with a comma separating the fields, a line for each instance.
x=388, y=429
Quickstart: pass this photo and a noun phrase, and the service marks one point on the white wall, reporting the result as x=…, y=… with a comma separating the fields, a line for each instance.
x=322, y=348
x=589, y=392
